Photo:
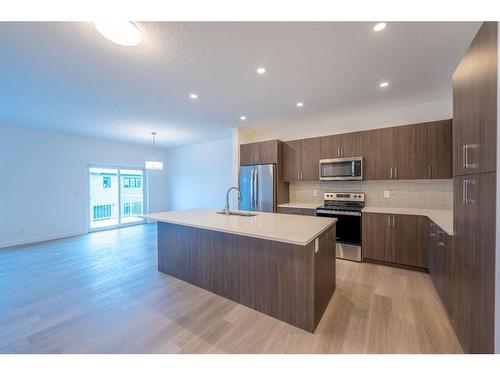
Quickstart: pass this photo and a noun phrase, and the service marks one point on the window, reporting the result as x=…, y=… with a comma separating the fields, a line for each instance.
x=106, y=182
x=131, y=182
x=126, y=209
x=136, y=208
x=102, y=212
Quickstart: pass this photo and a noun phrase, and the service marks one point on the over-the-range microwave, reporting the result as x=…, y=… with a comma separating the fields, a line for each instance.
x=341, y=169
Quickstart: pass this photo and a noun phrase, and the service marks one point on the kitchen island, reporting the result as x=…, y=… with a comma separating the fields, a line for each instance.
x=281, y=265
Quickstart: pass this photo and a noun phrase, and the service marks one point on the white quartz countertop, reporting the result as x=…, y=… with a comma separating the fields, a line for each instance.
x=442, y=218
x=311, y=206
x=294, y=229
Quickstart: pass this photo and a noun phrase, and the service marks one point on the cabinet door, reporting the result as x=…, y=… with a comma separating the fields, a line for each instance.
x=267, y=152
x=377, y=239
x=351, y=144
x=410, y=240
x=439, y=150
x=446, y=245
x=378, y=154
x=432, y=262
x=247, y=154
x=474, y=260
x=475, y=105
x=292, y=160
x=329, y=147
x=309, y=159
x=410, y=152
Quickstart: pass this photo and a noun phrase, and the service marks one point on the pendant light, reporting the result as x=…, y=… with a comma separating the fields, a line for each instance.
x=153, y=164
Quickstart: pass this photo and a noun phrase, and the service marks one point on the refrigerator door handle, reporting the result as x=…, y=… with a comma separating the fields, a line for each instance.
x=251, y=188
x=256, y=179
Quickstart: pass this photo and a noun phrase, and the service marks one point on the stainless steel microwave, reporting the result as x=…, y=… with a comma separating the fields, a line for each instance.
x=341, y=169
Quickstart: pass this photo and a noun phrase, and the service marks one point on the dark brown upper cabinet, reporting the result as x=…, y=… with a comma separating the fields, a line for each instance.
x=439, y=149
x=378, y=154
x=475, y=105
x=341, y=145
x=410, y=152
x=265, y=152
x=302, y=160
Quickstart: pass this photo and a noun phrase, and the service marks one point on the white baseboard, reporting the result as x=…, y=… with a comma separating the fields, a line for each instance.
x=39, y=239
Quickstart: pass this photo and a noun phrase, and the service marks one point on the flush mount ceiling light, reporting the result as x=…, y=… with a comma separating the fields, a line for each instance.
x=243, y=118
x=379, y=26
x=300, y=104
x=124, y=33
x=193, y=96
x=261, y=70
x=153, y=164
x=383, y=84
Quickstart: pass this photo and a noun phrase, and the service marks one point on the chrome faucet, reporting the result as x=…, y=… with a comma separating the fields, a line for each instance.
x=226, y=208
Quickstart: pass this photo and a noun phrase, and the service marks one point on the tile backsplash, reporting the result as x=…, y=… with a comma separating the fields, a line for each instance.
x=436, y=194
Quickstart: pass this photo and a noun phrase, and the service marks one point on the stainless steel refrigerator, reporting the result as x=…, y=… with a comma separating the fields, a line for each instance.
x=258, y=188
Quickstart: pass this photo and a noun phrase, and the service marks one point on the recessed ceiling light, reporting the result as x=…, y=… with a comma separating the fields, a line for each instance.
x=300, y=104
x=379, y=26
x=243, y=118
x=261, y=70
x=193, y=96
x=383, y=84
x=124, y=33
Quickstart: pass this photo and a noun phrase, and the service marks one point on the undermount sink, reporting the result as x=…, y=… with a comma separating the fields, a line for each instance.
x=237, y=213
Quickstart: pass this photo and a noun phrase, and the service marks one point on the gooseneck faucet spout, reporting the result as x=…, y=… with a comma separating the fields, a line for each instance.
x=226, y=208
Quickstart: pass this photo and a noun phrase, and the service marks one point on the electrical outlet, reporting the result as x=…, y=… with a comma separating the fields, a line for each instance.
x=387, y=194
x=315, y=193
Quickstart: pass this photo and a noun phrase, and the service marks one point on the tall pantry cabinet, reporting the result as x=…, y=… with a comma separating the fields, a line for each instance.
x=474, y=207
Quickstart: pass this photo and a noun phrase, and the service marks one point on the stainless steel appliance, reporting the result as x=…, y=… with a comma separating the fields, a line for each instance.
x=346, y=207
x=343, y=169
x=258, y=188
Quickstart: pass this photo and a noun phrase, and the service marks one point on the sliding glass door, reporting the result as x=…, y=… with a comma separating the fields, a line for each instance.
x=116, y=196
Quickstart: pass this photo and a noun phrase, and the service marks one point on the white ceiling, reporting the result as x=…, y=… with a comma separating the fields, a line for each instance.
x=66, y=76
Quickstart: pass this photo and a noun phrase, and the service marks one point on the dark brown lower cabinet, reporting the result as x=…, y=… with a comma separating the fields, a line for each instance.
x=440, y=265
x=398, y=239
x=297, y=211
x=474, y=261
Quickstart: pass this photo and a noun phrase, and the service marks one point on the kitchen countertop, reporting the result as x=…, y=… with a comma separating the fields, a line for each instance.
x=294, y=229
x=442, y=218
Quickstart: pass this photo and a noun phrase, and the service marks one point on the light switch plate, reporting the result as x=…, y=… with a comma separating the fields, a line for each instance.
x=387, y=194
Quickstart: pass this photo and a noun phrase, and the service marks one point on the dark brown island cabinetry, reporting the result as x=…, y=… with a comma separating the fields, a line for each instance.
x=297, y=211
x=396, y=239
x=474, y=198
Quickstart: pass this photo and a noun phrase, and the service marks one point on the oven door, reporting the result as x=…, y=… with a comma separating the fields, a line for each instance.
x=348, y=229
x=346, y=169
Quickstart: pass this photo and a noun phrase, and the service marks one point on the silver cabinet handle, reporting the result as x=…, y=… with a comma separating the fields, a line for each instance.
x=394, y=221
x=429, y=171
x=391, y=172
x=342, y=151
x=395, y=172
x=301, y=175
x=389, y=221
x=465, y=156
x=465, y=192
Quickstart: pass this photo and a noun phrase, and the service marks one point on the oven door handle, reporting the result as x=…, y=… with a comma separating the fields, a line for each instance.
x=333, y=212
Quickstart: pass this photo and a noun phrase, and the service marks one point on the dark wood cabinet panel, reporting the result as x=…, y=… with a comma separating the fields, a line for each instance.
x=309, y=159
x=378, y=154
x=398, y=239
x=352, y=144
x=377, y=239
x=265, y=152
x=292, y=160
x=410, y=240
x=329, y=147
x=297, y=211
x=474, y=260
x=439, y=149
x=475, y=105
x=410, y=152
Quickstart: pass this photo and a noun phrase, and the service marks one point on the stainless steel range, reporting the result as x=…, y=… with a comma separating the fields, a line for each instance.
x=346, y=207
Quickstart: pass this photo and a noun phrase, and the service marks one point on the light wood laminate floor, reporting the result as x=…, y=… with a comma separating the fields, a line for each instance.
x=102, y=293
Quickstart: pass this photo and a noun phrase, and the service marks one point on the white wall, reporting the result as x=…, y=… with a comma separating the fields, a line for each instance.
x=199, y=175
x=349, y=121
x=43, y=191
